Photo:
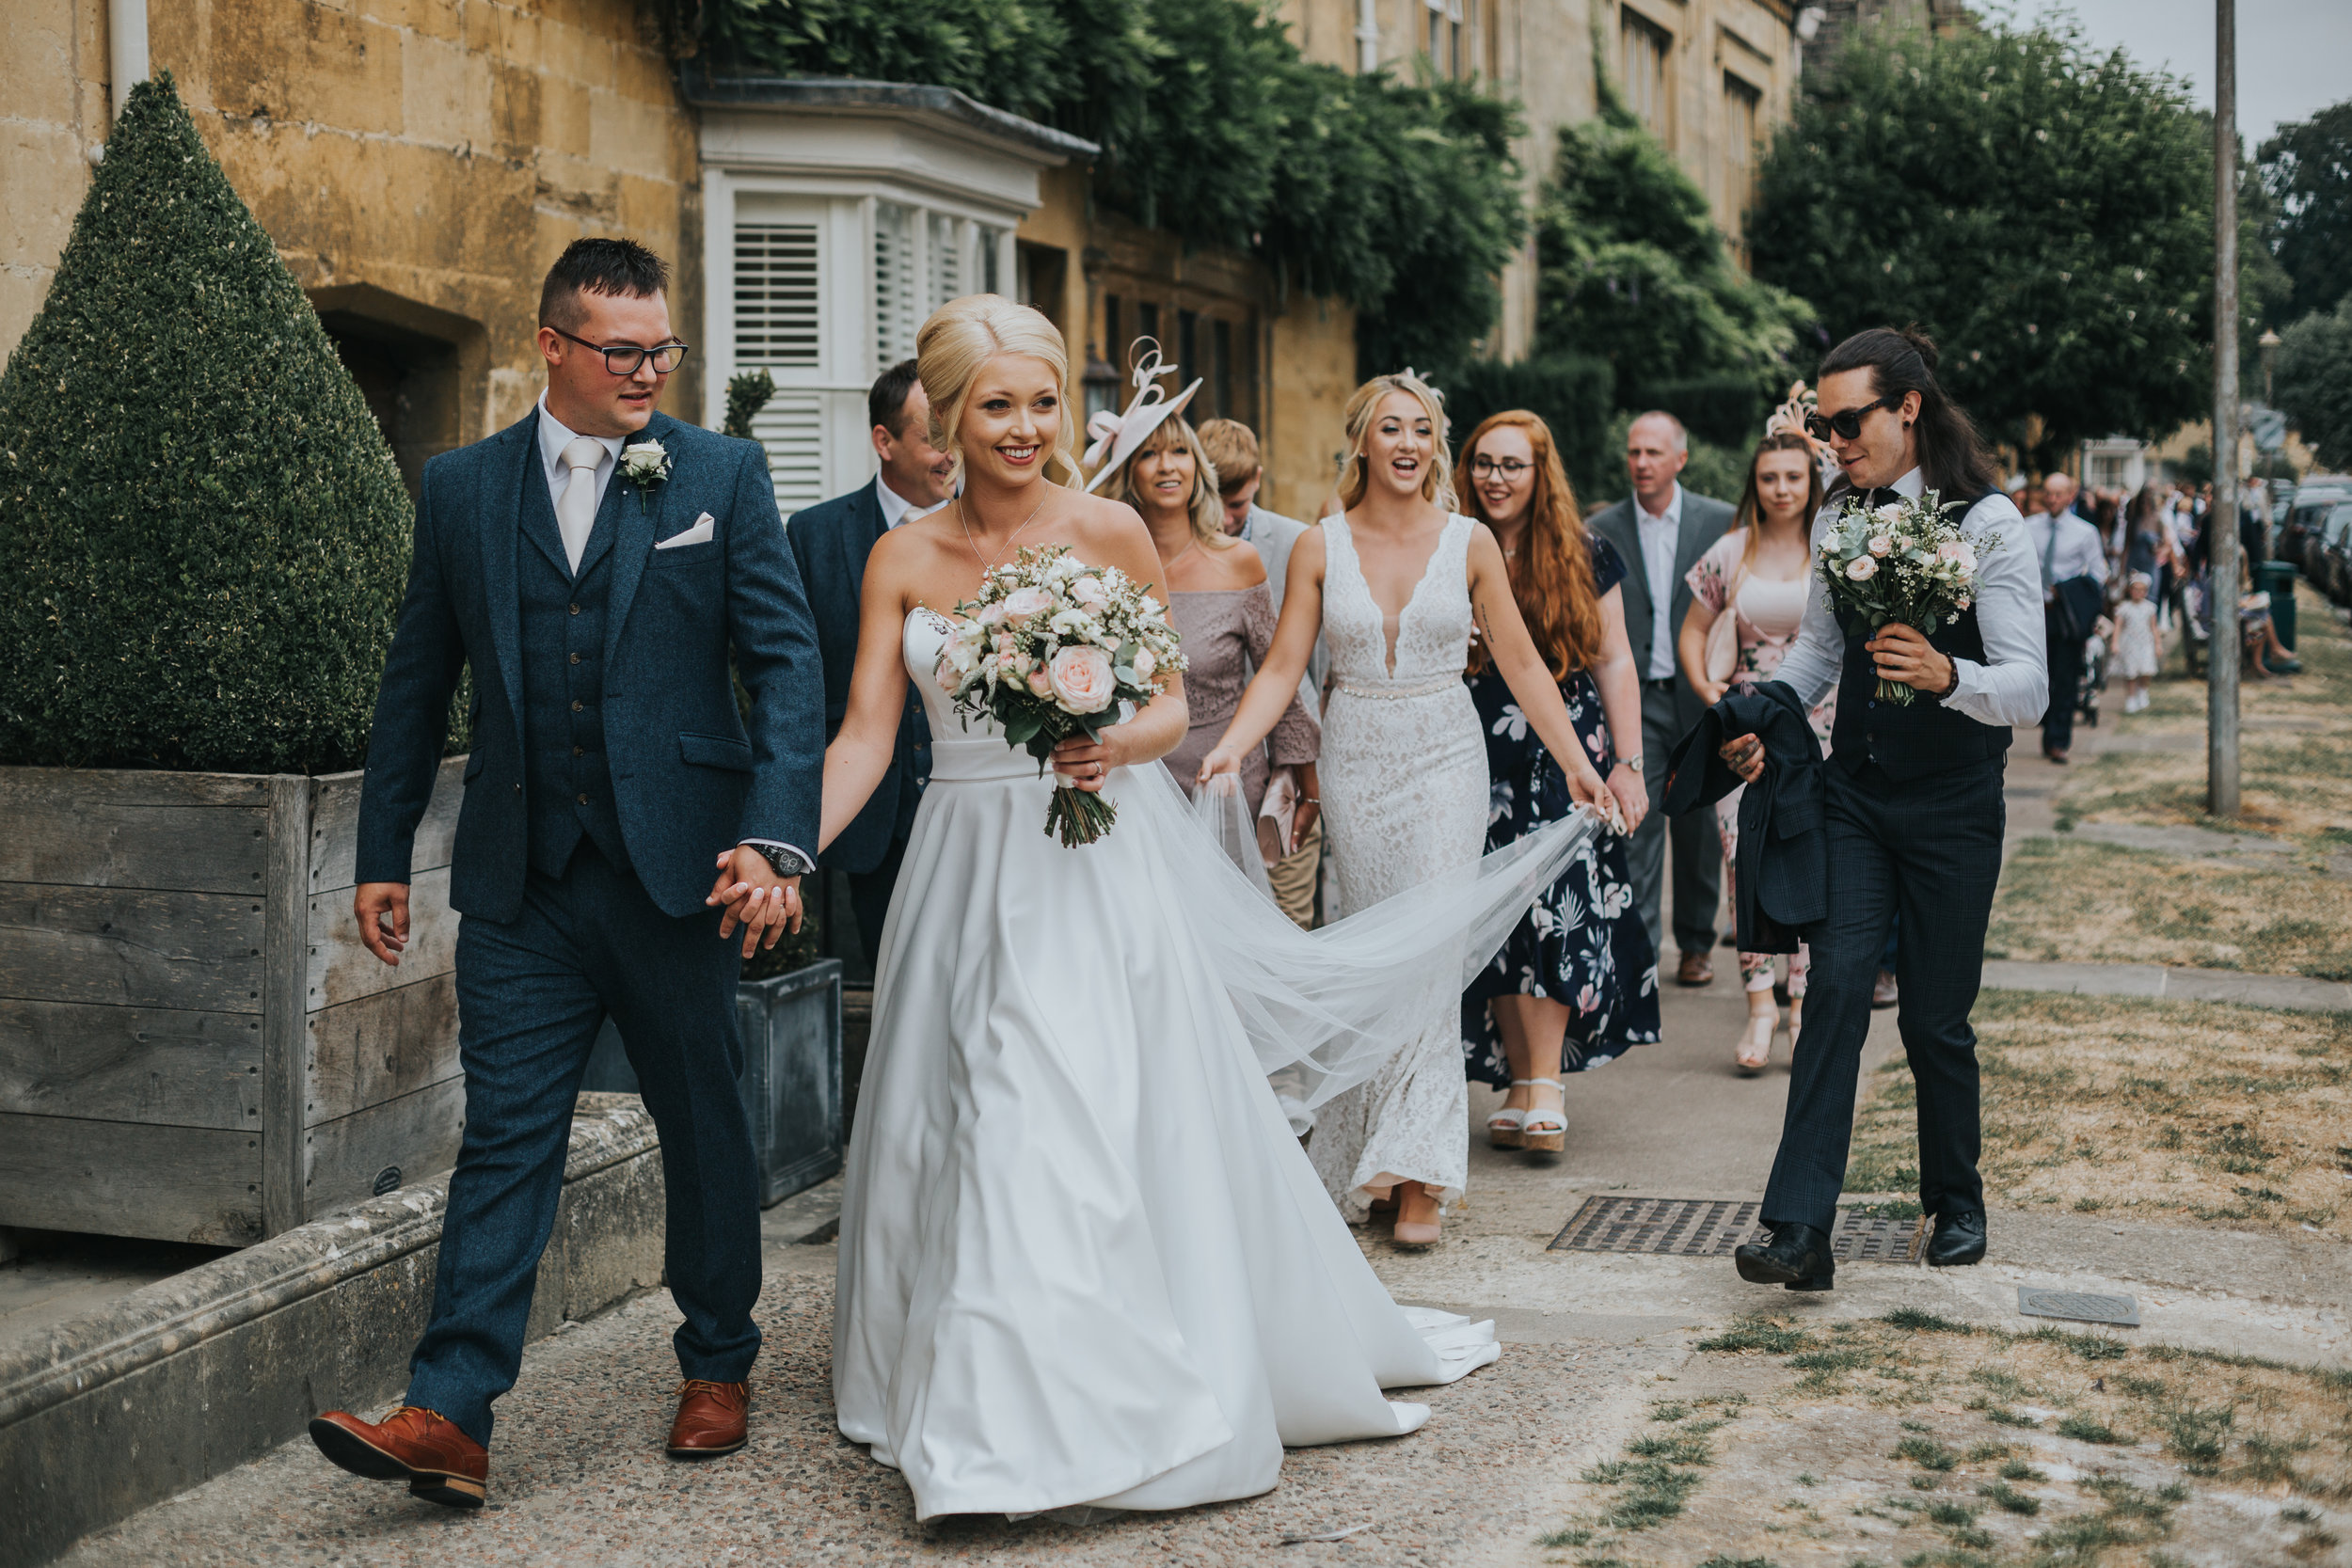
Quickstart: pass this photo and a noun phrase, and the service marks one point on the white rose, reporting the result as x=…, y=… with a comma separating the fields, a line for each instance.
x=1881, y=544
x=1862, y=568
x=1089, y=590
x=1891, y=512
x=1082, y=679
x=1145, y=664
x=1021, y=603
x=992, y=613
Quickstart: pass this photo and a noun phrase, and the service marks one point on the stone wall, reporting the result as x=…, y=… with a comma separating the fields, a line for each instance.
x=419, y=163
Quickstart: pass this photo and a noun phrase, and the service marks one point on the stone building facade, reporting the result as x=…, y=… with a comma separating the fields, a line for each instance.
x=420, y=163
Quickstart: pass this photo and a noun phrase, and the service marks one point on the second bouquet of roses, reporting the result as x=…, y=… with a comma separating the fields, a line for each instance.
x=1904, y=561
x=1050, y=648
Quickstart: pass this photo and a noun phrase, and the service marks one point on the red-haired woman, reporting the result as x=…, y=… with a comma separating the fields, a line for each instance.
x=1762, y=569
x=1576, y=982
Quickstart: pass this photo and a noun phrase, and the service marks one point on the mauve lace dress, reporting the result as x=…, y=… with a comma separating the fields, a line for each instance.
x=1227, y=632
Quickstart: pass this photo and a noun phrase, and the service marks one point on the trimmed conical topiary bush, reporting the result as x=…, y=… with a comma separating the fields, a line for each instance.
x=203, y=534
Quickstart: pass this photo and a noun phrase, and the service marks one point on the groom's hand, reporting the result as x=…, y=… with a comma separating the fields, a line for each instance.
x=1902, y=654
x=754, y=898
x=371, y=903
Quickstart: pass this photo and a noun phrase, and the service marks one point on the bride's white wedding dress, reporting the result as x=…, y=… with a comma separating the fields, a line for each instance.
x=1084, y=1260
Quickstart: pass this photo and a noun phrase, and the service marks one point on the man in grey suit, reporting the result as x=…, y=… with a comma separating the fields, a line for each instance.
x=1661, y=531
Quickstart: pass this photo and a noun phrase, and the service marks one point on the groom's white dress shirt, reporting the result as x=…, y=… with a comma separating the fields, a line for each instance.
x=1661, y=537
x=2012, y=686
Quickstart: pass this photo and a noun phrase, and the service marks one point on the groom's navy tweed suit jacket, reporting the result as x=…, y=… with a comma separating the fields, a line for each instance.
x=688, y=777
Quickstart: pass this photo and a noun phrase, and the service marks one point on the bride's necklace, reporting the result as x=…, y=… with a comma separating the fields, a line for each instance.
x=988, y=565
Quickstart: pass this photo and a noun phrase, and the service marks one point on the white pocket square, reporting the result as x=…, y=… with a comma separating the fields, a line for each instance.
x=698, y=534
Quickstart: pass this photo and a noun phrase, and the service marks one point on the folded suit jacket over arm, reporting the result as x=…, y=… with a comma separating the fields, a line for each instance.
x=1783, y=858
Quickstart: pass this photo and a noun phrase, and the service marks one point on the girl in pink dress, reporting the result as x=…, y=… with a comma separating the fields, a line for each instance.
x=1759, y=573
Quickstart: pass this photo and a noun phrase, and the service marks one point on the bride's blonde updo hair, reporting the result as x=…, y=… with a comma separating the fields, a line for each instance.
x=965, y=334
x=1436, y=480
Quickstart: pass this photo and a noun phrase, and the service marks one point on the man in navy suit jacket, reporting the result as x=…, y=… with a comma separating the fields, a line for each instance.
x=597, y=566
x=831, y=541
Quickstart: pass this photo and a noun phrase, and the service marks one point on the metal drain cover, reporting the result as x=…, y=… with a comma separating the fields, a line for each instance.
x=2079, y=1306
x=1711, y=1228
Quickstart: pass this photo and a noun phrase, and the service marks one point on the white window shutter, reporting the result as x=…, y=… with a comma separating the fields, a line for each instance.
x=896, y=311
x=792, y=428
x=775, y=294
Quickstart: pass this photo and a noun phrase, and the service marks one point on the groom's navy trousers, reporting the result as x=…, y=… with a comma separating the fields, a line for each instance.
x=532, y=993
x=1928, y=849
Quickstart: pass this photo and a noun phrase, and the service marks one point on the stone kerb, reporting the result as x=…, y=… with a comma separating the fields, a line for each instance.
x=196, y=1374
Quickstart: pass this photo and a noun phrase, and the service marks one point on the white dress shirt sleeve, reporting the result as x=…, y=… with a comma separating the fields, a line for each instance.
x=1813, y=663
x=2012, y=686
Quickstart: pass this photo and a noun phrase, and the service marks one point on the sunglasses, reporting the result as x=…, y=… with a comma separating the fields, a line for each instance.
x=1847, y=423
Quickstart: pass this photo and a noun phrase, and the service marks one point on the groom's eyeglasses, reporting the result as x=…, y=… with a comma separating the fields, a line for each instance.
x=624, y=359
x=1846, y=422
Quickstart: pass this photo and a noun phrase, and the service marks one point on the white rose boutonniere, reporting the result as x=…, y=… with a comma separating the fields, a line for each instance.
x=645, y=464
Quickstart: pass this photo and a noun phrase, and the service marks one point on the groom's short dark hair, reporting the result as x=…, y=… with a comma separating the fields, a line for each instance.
x=598, y=267
x=886, y=400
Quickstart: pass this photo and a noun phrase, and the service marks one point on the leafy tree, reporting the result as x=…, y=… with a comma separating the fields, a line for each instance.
x=202, y=532
x=2314, y=381
x=1401, y=199
x=1570, y=393
x=2045, y=212
x=2306, y=169
x=1635, y=272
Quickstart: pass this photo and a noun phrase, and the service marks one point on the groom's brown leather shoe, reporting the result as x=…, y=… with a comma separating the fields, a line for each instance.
x=439, y=1463
x=711, y=1419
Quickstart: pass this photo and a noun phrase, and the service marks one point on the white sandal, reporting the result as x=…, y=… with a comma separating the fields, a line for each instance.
x=1506, y=1127
x=1542, y=1130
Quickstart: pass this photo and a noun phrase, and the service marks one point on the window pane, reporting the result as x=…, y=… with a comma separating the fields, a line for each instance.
x=990, y=240
x=776, y=294
x=896, y=315
x=1221, y=334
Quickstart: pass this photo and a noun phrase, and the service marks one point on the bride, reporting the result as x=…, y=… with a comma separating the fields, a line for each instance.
x=1083, y=1257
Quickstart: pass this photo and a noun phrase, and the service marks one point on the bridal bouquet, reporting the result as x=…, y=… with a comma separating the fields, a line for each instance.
x=1907, y=562
x=1052, y=647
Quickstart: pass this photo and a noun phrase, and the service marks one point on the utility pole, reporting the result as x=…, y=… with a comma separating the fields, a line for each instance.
x=2222, y=650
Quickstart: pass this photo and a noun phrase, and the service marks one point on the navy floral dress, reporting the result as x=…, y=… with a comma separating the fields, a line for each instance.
x=1583, y=944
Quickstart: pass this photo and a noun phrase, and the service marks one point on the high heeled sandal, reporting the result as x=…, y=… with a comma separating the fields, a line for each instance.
x=1749, y=1066
x=1542, y=1128
x=1506, y=1127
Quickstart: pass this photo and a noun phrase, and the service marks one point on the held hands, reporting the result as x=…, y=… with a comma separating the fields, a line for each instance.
x=1633, y=795
x=383, y=911
x=754, y=898
x=1587, y=788
x=1902, y=654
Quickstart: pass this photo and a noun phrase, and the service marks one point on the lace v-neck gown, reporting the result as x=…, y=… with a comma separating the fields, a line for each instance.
x=1403, y=774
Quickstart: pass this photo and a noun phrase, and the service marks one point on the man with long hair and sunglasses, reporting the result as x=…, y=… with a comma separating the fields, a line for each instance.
x=600, y=567
x=1912, y=814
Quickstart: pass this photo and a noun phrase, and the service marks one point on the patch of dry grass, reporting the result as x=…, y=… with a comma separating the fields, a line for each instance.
x=2068, y=900
x=2191, y=1111
x=1918, y=1440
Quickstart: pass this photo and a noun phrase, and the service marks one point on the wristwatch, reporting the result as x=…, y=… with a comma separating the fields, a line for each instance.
x=787, y=861
x=1634, y=763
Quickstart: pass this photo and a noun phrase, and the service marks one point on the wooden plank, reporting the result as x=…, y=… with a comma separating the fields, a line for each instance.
x=130, y=947
x=285, y=973
x=335, y=826
x=341, y=968
x=397, y=1142
x=129, y=1179
x=381, y=1047
x=132, y=1064
x=25, y=787
x=82, y=843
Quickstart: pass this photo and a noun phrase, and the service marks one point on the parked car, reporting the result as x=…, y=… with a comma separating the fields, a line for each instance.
x=2298, y=537
x=2331, y=555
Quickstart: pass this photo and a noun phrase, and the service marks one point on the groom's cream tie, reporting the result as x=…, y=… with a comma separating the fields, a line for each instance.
x=576, y=512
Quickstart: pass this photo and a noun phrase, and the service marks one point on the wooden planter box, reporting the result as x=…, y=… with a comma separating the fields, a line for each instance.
x=194, y=1045
x=790, y=1026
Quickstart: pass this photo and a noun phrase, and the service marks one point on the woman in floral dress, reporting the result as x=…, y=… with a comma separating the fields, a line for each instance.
x=1576, y=982
x=1763, y=568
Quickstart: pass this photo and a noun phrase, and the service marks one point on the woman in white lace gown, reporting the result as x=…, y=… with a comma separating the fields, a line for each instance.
x=1083, y=1258
x=1393, y=584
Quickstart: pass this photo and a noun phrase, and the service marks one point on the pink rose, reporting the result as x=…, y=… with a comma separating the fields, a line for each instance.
x=1862, y=568
x=1081, y=678
x=1002, y=642
x=1008, y=666
x=1089, y=594
x=1145, y=664
x=1960, y=604
x=993, y=614
x=1880, y=545
x=947, y=678
x=1957, y=550
x=1021, y=603
x=1038, y=685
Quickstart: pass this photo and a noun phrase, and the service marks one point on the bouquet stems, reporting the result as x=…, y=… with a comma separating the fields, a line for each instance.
x=1079, y=817
x=1896, y=692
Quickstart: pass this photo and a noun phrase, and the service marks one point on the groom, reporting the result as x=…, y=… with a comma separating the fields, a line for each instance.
x=596, y=565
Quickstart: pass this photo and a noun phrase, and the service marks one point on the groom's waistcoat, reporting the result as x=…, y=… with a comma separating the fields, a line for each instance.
x=567, y=775
x=1910, y=740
